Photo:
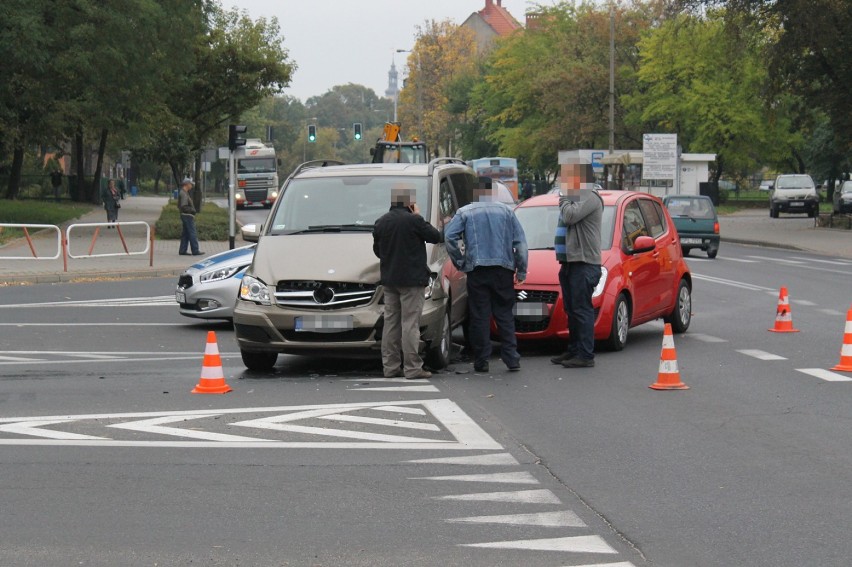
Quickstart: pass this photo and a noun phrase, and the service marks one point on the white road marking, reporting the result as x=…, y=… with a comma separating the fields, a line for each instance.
x=508, y=478
x=155, y=426
x=742, y=260
x=834, y=312
x=96, y=356
x=574, y=544
x=804, y=302
x=467, y=434
x=733, y=283
x=123, y=359
x=424, y=388
x=832, y=262
x=367, y=380
x=401, y=409
x=33, y=428
x=540, y=496
x=116, y=302
x=494, y=459
x=704, y=338
x=17, y=359
x=619, y=564
x=779, y=260
x=93, y=324
x=380, y=421
x=565, y=519
x=761, y=354
x=826, y=375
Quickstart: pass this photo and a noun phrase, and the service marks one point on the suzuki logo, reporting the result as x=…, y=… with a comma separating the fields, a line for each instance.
x=522, y=295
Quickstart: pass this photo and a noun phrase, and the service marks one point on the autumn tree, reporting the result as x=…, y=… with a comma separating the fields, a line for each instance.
x=442, y=53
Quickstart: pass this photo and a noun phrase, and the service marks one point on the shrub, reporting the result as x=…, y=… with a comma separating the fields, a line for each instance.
x=211, y=223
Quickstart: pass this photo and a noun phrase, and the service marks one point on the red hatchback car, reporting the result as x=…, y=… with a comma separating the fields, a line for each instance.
x=644, y=276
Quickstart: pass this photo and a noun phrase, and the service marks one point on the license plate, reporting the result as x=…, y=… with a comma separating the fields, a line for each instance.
x=531, y=311
x=797, y=204
x=180, y=297
x=323, y=323
x=690, y=241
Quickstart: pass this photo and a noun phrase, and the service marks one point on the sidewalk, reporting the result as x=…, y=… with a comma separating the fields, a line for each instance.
x=744, y=227
x=166, y=260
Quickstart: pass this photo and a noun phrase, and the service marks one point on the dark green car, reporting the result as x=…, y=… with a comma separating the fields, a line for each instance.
x=695, y=218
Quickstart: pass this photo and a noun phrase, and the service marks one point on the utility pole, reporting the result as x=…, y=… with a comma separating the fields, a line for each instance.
x=611, y=79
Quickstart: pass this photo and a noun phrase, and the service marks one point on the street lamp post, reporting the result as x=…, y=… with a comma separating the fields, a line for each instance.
x=419, y=97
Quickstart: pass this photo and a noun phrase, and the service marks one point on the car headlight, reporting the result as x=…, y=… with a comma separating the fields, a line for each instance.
x=275, y=194
x=601, y=283
x=846, y=198
x=430, y=287
x=219, y=274
x=253, y=289
x=238, y=196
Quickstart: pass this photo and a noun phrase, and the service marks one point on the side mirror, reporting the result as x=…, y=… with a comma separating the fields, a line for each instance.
x=643, y=244
x=251, y=232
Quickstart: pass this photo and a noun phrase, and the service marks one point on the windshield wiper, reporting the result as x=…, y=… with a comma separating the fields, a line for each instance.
x=334, y=228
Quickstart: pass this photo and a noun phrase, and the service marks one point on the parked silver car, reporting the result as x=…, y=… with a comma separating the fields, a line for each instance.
x=793, y=193
x=842, y=199
x=208, y=289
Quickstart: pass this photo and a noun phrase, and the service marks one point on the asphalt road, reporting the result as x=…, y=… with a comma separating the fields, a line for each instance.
x=109, y=459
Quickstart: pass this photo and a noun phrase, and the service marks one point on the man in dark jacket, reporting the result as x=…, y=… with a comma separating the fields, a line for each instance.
x=399, y=241
x=188, y=236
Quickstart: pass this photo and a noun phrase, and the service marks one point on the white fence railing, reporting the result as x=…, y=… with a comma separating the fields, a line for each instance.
x=34, y=254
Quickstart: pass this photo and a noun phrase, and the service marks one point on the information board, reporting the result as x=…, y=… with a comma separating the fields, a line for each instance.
x=659, y=156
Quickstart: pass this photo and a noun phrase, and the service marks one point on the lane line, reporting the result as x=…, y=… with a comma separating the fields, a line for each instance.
x=573, y=544
x=495, y=459
x=779, y=260
x=566, y=519
x=704, y=338
x=508, y=478
x=826, y=375
x=540, y=496
x=428, y=388
x=733, y=283
x=761, y=354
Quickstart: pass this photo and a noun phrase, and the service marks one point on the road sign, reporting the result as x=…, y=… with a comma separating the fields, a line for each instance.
x=659, y=156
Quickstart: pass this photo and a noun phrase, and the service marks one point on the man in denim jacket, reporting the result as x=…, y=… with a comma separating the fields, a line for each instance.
x=495, y=254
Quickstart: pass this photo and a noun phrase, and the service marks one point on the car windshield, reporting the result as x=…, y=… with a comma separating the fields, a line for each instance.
x=794, y=182
x=690, y=207
x=539, y=224
x=846, y=187
x=257, y=165
x=340, y=204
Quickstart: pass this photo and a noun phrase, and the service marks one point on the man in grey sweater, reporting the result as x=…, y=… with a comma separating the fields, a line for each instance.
x=578, y=250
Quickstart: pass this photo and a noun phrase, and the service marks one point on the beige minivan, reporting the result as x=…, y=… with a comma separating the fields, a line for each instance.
x=313, y=287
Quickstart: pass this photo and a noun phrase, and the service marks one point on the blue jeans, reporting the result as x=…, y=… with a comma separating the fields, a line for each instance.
x=578, y=281
x=188, y=237
x=491, y=293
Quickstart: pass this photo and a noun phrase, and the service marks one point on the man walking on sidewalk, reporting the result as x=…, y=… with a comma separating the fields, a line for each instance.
x=188, y=236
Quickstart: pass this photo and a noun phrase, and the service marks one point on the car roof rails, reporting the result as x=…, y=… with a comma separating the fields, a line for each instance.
x=313, y=164
x=443, y=160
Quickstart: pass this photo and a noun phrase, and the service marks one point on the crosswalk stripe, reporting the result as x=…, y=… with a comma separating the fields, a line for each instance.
x=761, y=354
x=574, y=544
x=565, y=519
x=540, y=496
x=155, y=426
x=424, y=388
x=826, y=375
x=510, y=478
x=380, y=421
x=619, y=564
x=32, y=427
x=495, y=459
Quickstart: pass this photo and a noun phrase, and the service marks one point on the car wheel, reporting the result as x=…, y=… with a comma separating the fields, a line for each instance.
x=685, y=251
x=712, y=251
x=438, y=356
x=259, y=360
x=812, y=213
x=773, y=212
x=620, y=324
x=681, y=315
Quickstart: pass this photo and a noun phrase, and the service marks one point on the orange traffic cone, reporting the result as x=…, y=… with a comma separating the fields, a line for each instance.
x=212, y=377
x=845, y=363
x=783, y=316
x=668, y=377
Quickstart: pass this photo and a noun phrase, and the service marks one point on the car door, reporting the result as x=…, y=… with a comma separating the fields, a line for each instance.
x=455, y=279
x=666, y=243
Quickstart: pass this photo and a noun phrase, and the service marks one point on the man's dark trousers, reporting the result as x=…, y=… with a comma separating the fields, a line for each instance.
x=188, y=236
x=578, y=281
x=491, y=292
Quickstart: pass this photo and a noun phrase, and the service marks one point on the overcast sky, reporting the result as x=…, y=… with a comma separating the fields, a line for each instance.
x=335, y=42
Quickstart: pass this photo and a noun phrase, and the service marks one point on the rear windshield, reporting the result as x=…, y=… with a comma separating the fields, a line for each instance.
x=352, y=202
x=692, y=208
x=539, y=224
x=794, y=182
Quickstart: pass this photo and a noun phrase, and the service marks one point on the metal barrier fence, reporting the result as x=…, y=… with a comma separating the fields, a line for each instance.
x=139, y=241
x=31, y=244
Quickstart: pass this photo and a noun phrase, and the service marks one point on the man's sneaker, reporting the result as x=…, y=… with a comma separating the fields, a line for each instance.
x=481, y=367
x=561, y=358
x=420, y=375
x=199, y=253
x=515, y=367
x=578, y=362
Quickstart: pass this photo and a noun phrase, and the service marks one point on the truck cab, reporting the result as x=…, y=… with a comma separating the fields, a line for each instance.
x=257, y=174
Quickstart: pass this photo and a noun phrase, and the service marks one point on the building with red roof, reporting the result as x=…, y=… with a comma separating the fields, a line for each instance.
x=491, y=22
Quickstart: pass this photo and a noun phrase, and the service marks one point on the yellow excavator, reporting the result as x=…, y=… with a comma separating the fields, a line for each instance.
x=391, y=149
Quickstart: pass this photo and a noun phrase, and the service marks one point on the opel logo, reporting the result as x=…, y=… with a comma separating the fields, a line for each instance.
x=522, y=295
x=323, y=295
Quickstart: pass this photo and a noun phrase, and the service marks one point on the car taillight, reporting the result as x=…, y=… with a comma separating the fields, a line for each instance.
x=716, y=227
x=242, y=183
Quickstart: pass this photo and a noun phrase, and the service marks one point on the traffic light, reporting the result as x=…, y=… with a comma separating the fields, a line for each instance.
x=357, y=128
x=312, y=133
x=234, y=136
